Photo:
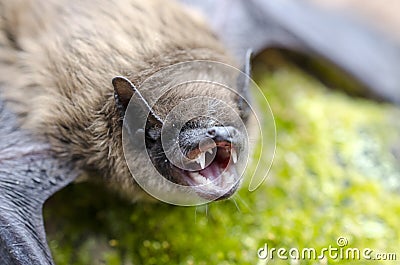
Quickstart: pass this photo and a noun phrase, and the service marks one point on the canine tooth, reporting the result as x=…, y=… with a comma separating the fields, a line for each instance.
x=210, y=151
x=201, y=160
x=234, y=156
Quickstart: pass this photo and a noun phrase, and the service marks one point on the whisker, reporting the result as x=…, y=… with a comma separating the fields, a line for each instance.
x=242, y=201
x=237, y=206
x=195, y=214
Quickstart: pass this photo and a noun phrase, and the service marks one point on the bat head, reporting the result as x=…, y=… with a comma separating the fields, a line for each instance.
x=193, y=133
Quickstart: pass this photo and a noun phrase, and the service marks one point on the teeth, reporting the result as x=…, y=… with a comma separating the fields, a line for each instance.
x=226, y=180
x=210, y=151
x=200, y=179
x=234, y=156
x=201, y=160
x=231, y=179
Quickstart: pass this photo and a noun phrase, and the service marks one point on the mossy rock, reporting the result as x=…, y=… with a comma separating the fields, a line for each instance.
x=336, y=173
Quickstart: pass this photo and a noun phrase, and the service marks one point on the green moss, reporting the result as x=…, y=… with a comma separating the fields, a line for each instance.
x=334, y=175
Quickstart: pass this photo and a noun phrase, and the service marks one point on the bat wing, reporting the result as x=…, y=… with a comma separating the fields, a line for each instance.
x=28, y=176
x=300, y=26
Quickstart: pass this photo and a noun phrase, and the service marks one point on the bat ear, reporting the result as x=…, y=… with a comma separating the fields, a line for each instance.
x=243, y=83
x=124, y=90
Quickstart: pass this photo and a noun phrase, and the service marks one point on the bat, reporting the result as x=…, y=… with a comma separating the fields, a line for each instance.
x=36, y=168
x=30, y=174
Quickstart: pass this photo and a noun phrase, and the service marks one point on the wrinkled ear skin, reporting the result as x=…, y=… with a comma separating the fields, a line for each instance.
x=243, y=83
x=29, y=175
x=124, y=90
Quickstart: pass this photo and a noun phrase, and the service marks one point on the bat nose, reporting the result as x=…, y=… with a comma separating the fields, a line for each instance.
x=220, y=133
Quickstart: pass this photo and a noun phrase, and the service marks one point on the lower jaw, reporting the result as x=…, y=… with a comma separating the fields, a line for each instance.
x=215, y=195
x=223, y=187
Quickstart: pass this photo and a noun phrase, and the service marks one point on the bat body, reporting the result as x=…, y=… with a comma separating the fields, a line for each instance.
x=70, y=68
x=64, y=56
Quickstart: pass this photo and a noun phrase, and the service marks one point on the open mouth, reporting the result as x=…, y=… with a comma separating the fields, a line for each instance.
x=216, y=177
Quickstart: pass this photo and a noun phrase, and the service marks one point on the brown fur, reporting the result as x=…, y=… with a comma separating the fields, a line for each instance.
x=57, y=59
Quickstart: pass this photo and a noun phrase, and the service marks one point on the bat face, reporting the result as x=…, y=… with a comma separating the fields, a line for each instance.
x=193, y=136
x=205, y=157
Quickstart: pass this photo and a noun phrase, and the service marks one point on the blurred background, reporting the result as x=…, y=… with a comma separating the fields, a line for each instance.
x=336, y=174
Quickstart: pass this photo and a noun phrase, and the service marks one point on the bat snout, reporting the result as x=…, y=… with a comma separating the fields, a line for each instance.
x=222, y=134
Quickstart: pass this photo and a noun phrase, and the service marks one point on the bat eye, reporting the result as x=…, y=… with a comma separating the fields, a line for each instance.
x=153, y=133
